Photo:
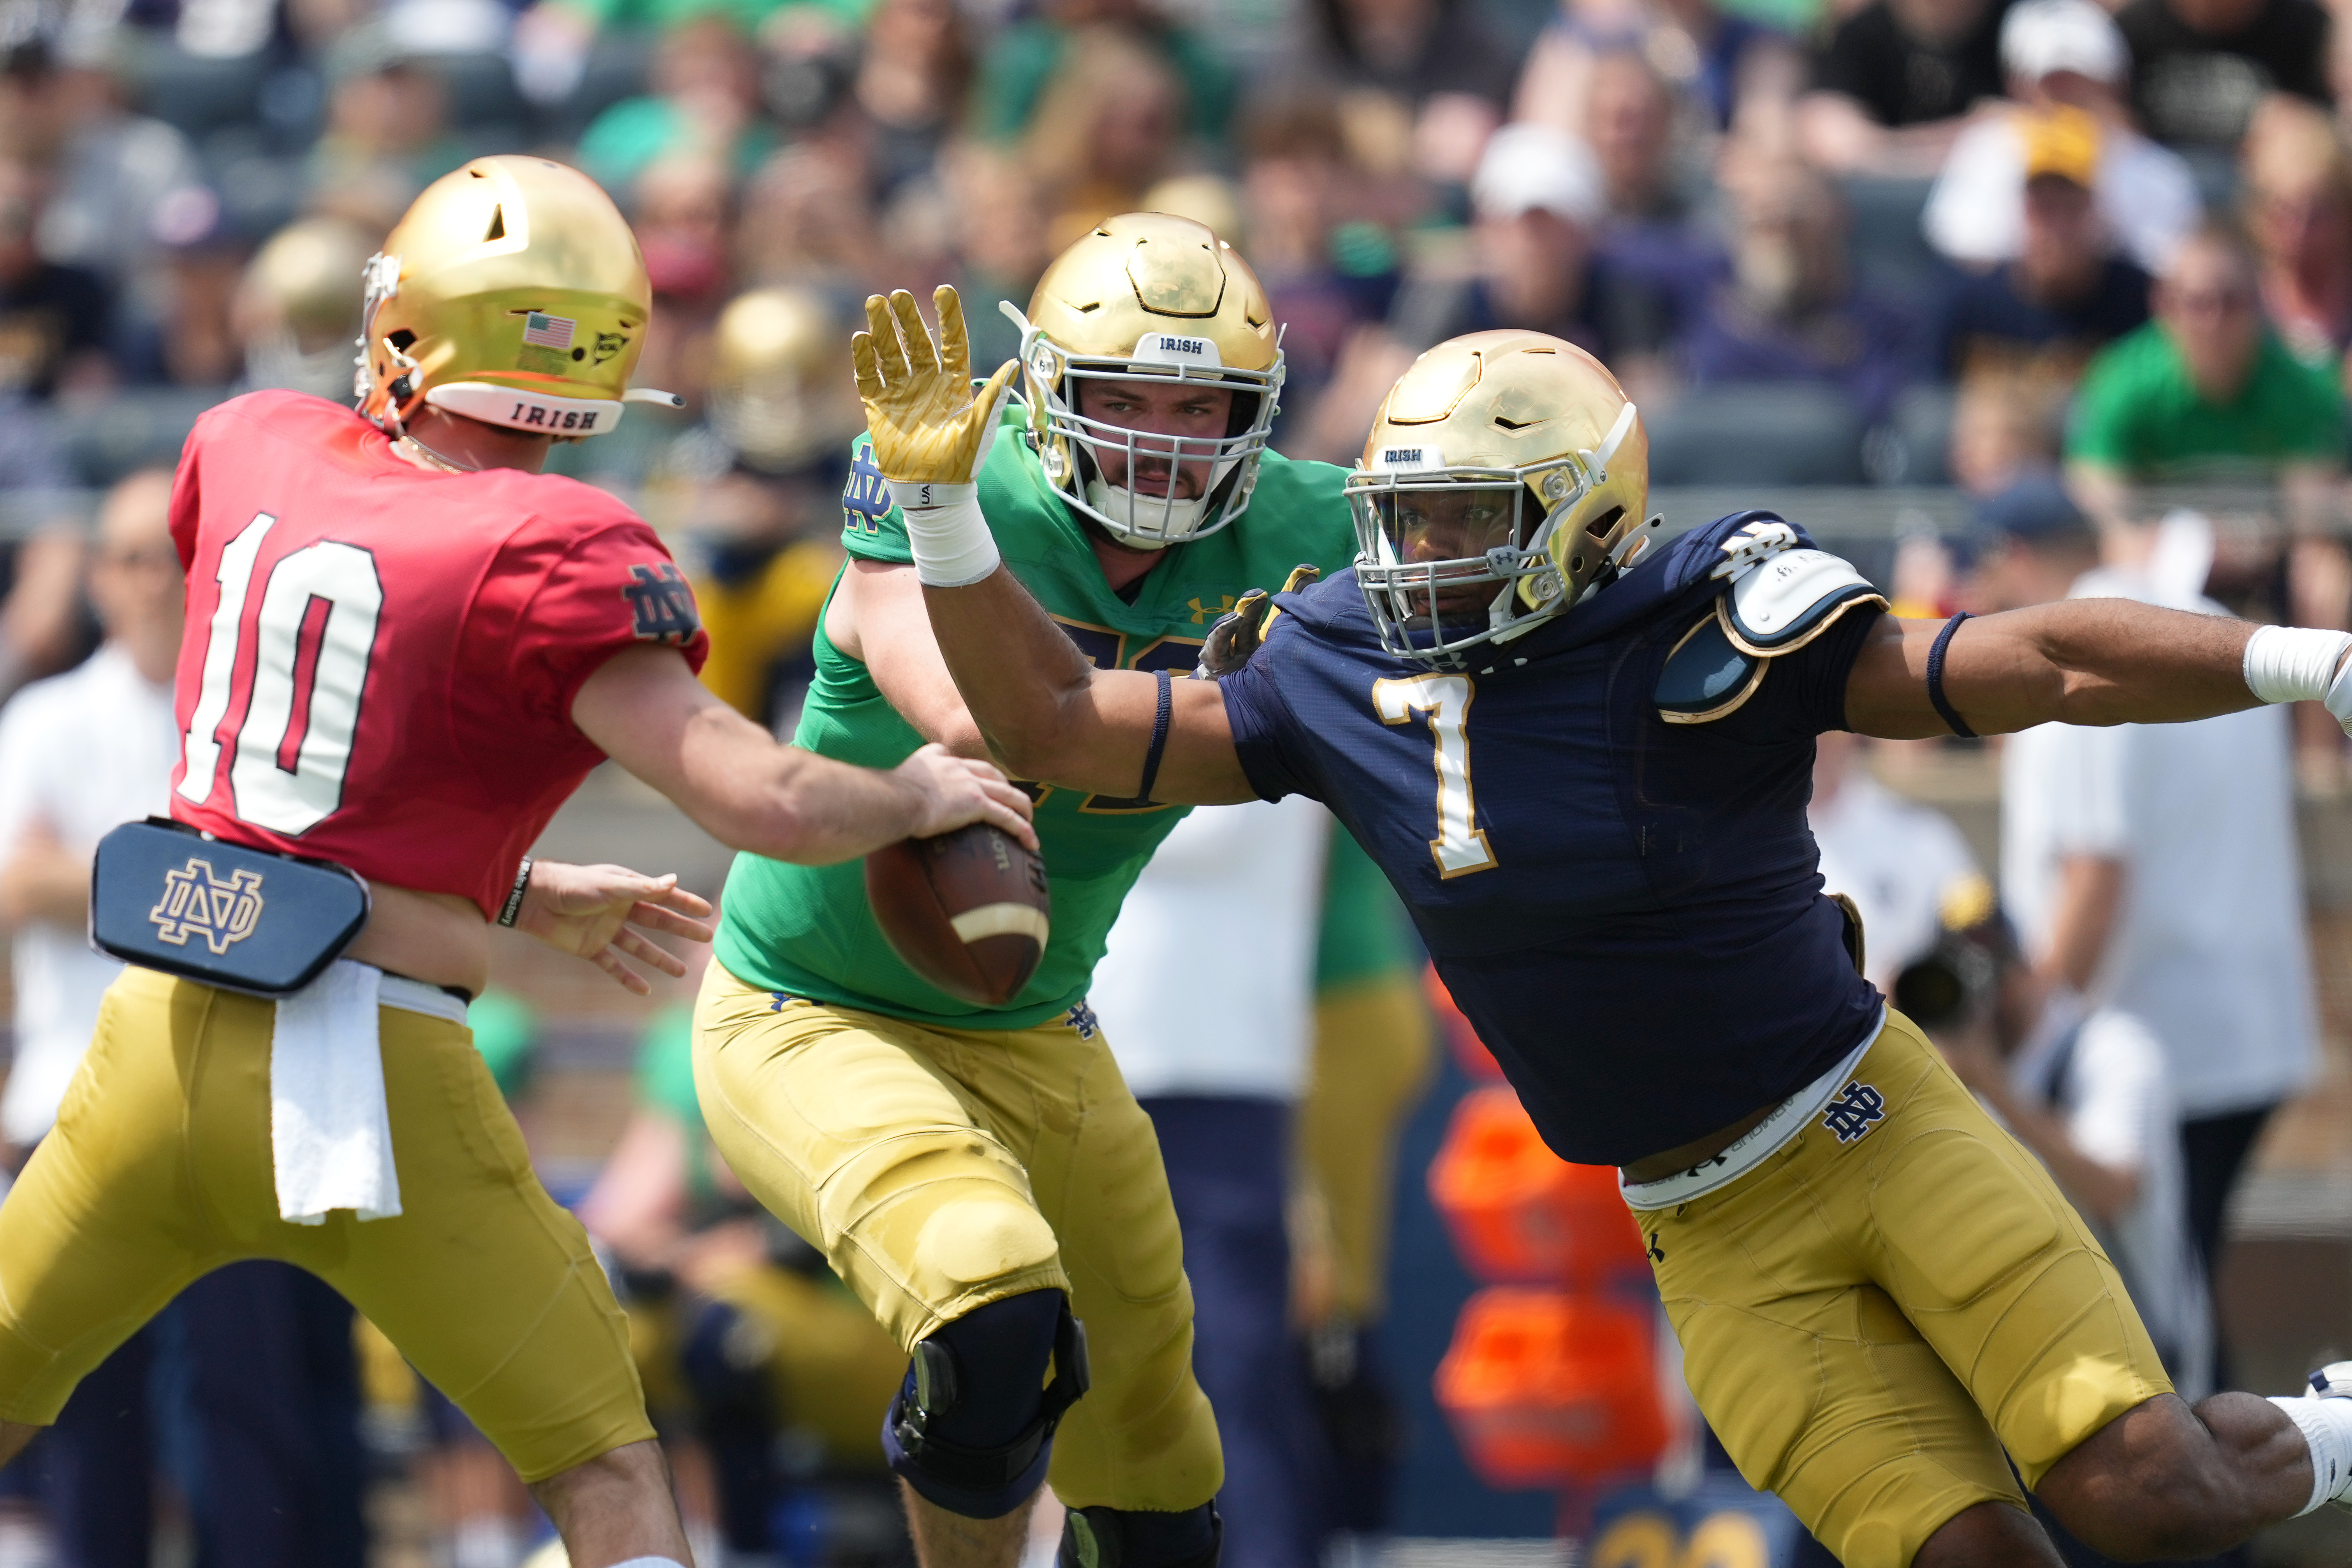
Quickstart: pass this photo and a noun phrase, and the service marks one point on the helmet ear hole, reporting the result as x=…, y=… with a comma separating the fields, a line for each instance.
x=1599, y=527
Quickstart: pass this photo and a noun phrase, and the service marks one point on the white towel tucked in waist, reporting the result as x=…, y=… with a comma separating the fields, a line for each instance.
x=329, y=1128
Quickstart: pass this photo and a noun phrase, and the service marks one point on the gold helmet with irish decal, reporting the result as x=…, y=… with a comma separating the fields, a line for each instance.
x=1505, y=473
x=1147, y=296
x=511, y=292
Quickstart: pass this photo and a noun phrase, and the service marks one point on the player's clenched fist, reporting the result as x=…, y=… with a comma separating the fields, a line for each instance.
x=956, y=790
x=929, y=425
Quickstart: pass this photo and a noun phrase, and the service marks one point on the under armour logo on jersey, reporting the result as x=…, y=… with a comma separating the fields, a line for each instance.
x=1852, y=1112
x=1754, y=544
x=1201, y=612
x=1082, y=1019
x=865, y=498
x=197, y=902
x=661, y=604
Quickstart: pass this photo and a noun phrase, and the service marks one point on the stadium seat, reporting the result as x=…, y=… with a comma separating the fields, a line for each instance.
x=482, y=95
x=1890, y=254
x=198, y=94
x=1790, y=432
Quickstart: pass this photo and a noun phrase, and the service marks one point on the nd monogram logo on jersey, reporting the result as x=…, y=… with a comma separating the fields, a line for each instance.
x=661, y=604
x=1852, y=1112
x=197, y=902
x=865, y=498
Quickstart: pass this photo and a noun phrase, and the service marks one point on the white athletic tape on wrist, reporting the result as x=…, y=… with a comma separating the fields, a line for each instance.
x=949, y=538
x=2298, y=664
x=2327, y=1429
x=650, y=1563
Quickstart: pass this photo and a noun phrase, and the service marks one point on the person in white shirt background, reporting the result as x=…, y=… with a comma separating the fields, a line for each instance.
x=1258, y=961
x=2153, y=869
x=1900, y=862
x=262, y=1421
x=2060, y=52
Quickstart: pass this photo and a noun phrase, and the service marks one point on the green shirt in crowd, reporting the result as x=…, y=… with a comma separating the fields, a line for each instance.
x=806, y=929
x=2137, y=413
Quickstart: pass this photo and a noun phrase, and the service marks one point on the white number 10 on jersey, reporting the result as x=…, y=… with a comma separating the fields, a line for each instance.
x=313, y=636
x=1459, y=847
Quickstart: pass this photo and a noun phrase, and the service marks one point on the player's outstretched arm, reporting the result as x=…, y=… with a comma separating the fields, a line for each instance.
x=1049, y=714
x=649, y=714
x=2079, y=661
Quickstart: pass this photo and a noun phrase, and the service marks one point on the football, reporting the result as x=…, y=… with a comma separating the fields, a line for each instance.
x=967, y=910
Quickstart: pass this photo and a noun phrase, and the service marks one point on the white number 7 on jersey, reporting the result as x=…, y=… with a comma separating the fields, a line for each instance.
x=1460, y=848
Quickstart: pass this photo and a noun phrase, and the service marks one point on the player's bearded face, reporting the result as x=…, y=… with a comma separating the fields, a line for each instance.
x=1433, y=526
x=1188, y=410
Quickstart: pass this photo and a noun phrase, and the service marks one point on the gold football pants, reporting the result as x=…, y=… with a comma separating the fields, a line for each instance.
x=1374, y=1046
x=939, y=1170
x=1868, y=1323
x=160, y=1170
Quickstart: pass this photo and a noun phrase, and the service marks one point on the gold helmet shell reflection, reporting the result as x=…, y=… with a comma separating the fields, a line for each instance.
x=777, y=394
x=1491, y=410
x=511, y=292
x=1150, y=295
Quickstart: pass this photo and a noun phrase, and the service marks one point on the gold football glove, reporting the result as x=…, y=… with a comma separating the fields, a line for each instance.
x=928, y=423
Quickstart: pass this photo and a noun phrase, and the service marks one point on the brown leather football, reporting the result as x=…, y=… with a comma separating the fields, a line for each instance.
x=967, y=910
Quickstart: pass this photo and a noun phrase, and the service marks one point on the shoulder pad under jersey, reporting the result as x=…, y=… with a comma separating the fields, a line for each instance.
x=1780, y=600
x=1788, y=599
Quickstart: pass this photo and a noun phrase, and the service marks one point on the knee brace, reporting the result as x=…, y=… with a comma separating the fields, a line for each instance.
x=972, y=1427
x=1138, y=1538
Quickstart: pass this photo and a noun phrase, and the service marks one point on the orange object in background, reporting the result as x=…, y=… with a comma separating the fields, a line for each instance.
x=1470, y=1052
x=1544, y=1387
x=1519, y=1212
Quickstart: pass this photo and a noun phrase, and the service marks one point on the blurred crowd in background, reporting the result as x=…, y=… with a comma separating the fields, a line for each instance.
x=1896, y=242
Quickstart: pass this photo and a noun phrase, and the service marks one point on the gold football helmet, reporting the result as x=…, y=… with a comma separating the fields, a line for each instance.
x=1150, y=295
x=777, y=394
x=294, y=309
x=1505, y=473
x=511, y=292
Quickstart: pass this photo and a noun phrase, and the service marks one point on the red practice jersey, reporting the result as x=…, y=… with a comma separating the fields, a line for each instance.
x=380, y=661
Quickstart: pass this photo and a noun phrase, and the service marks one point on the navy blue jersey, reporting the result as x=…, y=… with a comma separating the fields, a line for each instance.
x=1629, y=911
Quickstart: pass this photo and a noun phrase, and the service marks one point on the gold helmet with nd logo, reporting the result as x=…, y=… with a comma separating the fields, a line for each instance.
x=511, y=292
x=1505, y=478
x=1147, y=297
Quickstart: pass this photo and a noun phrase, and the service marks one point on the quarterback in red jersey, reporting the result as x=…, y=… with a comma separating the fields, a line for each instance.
x=405, y=646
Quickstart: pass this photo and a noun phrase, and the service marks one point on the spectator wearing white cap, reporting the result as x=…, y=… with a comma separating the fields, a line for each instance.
x=2057, y=53
x=1538, y=201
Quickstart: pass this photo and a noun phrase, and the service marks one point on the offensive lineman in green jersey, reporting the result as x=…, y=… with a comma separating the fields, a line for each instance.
x=980, y=1176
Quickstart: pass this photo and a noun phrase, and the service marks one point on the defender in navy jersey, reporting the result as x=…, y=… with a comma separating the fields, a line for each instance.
x=1586, y=772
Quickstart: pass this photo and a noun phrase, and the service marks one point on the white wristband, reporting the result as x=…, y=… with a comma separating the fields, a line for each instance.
x=2298, y=664
x=949, y=538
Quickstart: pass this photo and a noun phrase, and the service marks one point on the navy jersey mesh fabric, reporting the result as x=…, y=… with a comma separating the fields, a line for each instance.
x=1649, y=956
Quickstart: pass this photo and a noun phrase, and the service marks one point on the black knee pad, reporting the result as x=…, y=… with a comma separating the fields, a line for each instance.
x=1138, y=1538
x=972, y=1427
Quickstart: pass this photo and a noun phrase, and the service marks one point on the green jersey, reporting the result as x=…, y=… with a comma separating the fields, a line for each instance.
x=806, y=929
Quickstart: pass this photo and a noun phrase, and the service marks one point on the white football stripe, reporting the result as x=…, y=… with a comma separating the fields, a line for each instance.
x=1000, y=919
